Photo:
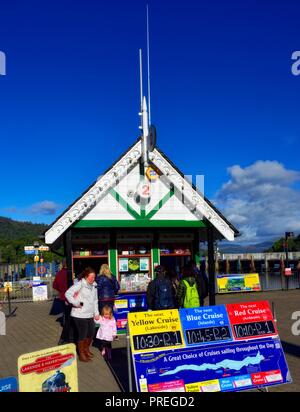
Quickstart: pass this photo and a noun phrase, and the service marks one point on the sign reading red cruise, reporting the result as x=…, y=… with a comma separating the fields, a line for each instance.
x=252, y=320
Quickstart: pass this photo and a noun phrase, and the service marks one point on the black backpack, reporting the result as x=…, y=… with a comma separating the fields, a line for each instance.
x=164, y=296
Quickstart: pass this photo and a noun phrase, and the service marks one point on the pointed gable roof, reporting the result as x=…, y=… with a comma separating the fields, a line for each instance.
x=193, y=199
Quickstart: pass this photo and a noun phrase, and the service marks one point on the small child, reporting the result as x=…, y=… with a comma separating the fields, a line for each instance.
x=107, y=331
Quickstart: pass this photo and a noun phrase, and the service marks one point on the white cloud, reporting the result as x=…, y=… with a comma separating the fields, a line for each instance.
x=261, y=201
x=47, y=207
x=44, y=208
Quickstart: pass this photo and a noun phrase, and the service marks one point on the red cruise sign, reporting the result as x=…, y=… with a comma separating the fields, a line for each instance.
x=251, y=320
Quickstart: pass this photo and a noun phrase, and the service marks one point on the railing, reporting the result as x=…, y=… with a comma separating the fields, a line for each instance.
x=21, y=291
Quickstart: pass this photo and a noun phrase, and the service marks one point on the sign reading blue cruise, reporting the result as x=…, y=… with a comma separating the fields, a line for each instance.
x=205, y=325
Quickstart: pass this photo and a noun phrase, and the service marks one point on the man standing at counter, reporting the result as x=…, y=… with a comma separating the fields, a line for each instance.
x=160, y=291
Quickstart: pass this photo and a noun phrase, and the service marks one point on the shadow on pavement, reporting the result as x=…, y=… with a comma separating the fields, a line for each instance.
x=119, y=368
x=291, y=349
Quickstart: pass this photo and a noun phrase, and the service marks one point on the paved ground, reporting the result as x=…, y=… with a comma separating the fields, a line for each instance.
x=33, y=329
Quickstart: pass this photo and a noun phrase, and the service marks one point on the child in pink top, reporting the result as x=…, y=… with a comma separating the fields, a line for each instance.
x=107, y=330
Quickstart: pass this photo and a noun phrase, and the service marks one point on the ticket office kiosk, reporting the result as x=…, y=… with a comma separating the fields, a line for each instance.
x=133, y=255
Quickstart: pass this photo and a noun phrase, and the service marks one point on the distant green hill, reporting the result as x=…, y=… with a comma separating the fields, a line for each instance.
x=14, y=236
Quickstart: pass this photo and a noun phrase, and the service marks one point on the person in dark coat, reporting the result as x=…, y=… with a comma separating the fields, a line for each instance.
x=107, y=286
x=160, y=291
x=60, y=284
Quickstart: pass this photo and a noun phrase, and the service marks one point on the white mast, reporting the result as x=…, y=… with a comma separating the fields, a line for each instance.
x=148, y=65
x=145, y=132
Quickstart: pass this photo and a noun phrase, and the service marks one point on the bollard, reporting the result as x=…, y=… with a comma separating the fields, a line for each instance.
x=10, y=313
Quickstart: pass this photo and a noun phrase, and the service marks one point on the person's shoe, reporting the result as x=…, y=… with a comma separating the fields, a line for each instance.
x=81, y=351
x=88, y=344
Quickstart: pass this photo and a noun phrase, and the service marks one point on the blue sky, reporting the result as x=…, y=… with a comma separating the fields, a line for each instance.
x=224, y=101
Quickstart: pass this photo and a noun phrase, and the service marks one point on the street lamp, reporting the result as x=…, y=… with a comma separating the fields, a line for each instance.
x=36, y=257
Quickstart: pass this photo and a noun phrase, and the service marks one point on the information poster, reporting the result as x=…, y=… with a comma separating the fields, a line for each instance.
x=251, y=320
x=238, y=283
x=224, y=367
x=39, y=293
x=205, y=325
x=125, y=304
x=144, y=263
x=156, y=330
x=49, y=370
x=123, y=265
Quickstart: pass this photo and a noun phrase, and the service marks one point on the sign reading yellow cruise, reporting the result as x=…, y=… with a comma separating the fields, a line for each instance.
x=155, y=331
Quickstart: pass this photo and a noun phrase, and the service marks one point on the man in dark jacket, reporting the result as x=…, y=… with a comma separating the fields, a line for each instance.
x=160, y=291
x=60, y=283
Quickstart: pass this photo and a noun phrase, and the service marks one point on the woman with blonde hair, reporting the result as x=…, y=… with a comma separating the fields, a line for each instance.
x=108, y=287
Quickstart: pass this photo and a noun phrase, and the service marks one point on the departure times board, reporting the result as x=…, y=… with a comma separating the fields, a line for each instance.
x=205, y=335
x=254, y=329
x=157, y=340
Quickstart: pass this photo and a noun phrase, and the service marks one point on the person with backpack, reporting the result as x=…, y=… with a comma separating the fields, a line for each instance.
x=189, y=293
x=160, y=291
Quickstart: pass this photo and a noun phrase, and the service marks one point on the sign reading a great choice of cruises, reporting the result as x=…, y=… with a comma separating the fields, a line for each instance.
x=225, y=348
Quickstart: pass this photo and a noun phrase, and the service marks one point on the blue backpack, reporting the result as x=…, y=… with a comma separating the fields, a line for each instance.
x=164, y=297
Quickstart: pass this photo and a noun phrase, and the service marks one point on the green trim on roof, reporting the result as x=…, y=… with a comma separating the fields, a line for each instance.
x=160, y=204
x=139, y=223
x=124, y=204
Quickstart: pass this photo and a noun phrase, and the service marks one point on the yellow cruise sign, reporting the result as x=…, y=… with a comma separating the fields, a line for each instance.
x=155, y=331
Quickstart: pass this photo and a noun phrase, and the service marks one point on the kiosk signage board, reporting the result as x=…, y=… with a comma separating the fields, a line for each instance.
x=224, y=367
x=205, y=325
x=155, y=331
x=251, y=320
x=225, y=348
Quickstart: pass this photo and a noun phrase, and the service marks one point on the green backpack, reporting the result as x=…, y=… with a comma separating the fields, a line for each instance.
x=191, y=299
